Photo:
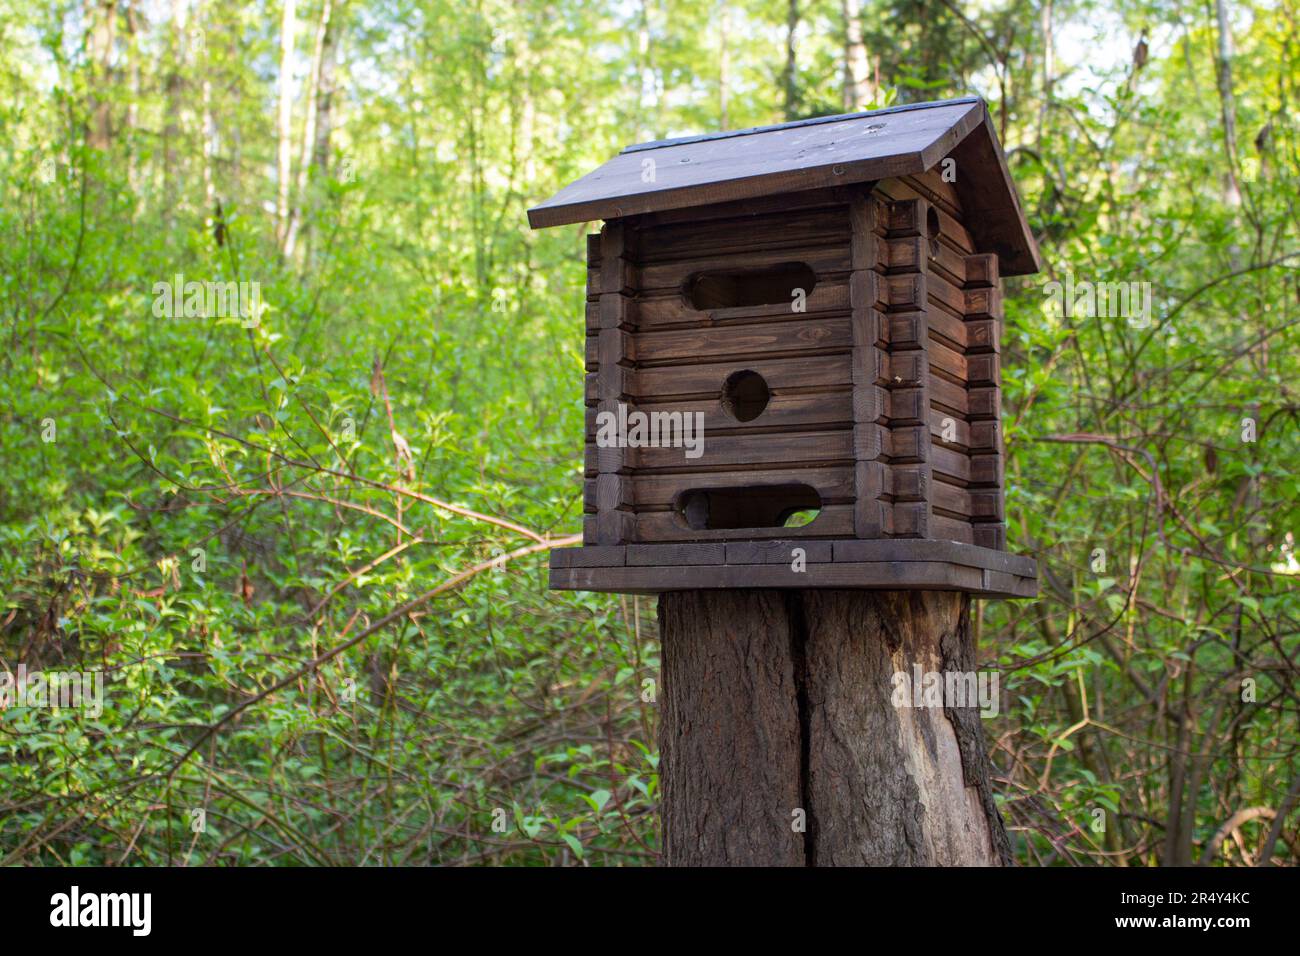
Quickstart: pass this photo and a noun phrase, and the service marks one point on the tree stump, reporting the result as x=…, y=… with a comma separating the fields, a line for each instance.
x=781, y=746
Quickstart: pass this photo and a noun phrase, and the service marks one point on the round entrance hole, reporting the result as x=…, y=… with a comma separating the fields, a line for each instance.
x=745, y=395
x=932, y=231
x=932, y=224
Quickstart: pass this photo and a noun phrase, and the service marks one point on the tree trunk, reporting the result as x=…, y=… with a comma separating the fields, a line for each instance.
x=649, y=94
x=133, y=106
x=175, y=83
x=724, y=65
x=1227, y=101
x=857, y=85
x=781, y=744
x=284, y=121
x=208, y=129
x=325, y=97
x=311, y=98
x=790, y=75
x=103, y=18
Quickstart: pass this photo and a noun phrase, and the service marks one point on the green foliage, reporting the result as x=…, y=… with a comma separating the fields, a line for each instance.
x=360, y=663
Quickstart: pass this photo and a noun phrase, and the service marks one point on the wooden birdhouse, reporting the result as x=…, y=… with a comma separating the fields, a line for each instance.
x=792, y=357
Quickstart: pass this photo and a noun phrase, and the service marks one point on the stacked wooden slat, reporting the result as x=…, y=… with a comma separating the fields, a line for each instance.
x=676, y=359
x=963, y=311
x=615, y=317
x=887, y=564
x=905, y=371
x=884, y=390
x=983, y=334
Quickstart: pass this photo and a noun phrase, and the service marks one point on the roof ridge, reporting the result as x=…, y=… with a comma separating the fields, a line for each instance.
x=794, y=124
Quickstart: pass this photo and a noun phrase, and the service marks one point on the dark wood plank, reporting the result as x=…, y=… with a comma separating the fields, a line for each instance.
x=834, y=485
x=981, y=271
x=751, y=206
x=861, y=148
x=671, y=276
x=614, y=523
x=952, y=398
x=946, y=359
x=955, y=466
x=930, y=550
x=707, y=378
x=885, y=575
x=931, y=186
x=791, y=411
x=907, y=441
x=984, y=317
x=908, y=483
x=944, y=422
x=724, y=451
x=748, y=234
x=589, y=556
x=943, y=293
x=797, y=334
x=983, y=403
x=991, y=536
x=950, y=229
x=1000, y=582
x=944, y=527
x=949, y=329
x=834, y=521
x=778, y=551
x=669, y=310
x=990, y=202
x=870, y=511
x=667, y=555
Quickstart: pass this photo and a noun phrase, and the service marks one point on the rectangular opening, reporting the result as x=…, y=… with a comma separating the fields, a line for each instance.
x=750, y=506
x=732, y=289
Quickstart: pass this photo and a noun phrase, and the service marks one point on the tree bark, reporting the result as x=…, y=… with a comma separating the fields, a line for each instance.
x=781, y=745
x=649, y=101
x=1227, y=101
x=132, y=53
x=208, y=129
x=857, y=86
x=103, y=19
x=175, y=83
x=325, y=96
x=724, y=65
x=790, y=75
x=284, y=121
x=312, y=101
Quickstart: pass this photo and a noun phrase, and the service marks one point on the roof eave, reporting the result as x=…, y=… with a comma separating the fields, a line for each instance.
x=752, y=187
x=988, y=195
x=990, y=202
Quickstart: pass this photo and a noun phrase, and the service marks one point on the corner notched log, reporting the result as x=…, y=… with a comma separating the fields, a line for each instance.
x=778, y=710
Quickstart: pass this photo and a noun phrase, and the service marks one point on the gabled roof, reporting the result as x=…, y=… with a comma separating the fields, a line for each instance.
x=826, y=151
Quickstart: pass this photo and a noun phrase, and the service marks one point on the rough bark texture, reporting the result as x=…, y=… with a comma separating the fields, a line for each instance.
x=856, y=85
x=729, y=740
x=778, y=709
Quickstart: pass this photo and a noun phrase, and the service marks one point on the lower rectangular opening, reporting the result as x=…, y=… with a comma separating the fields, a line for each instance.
x=748, y=506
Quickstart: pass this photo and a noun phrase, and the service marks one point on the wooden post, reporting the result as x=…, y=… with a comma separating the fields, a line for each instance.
x=781, y=745
x=849, y=266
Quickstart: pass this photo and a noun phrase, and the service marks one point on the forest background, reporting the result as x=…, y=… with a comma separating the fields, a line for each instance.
x=309, y=554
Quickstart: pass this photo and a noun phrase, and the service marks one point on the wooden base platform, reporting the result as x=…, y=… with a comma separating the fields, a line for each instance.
x=883, y=565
